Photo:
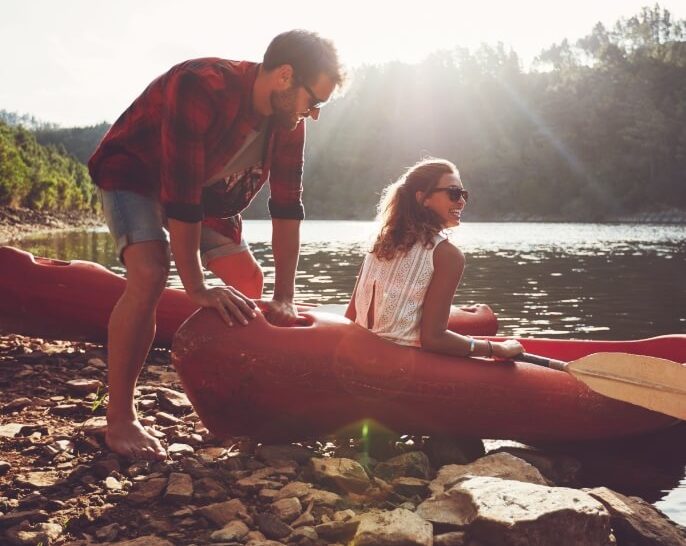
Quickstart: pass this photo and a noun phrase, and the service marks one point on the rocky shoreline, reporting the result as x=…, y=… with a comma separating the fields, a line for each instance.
x=59, y=485
x=17, y=223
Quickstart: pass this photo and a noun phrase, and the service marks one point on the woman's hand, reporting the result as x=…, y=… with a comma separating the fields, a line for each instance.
x=509, y=348
x=231, y=304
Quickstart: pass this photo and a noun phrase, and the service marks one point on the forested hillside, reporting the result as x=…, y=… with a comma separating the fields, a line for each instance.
x=40, y=177
x=599, y=133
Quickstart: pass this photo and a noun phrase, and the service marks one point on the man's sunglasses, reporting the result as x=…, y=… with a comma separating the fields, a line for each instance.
x=315, y=102
x=454, y=193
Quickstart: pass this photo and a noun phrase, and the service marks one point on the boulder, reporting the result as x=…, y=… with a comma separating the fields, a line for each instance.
x=512, y=513
x=499, y=465
x=414, y=464
x=399, y=527
x=638, y=523
x=344, y=474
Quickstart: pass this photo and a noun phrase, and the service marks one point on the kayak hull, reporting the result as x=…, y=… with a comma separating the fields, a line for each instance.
x=279, y=384
x=72, y=300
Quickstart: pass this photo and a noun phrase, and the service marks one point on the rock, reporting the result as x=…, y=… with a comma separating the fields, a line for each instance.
x=304, y=519
x=294, y=489
x=112, y=484
x=179, y=488
x=344, y=515
x=84, y=386
x=174, y=401
x=414, y=464
x=33, y=516
x=409, y=487
x=222, y=513
x=296, y=453
x=147, y=491
x=176, y=451
x=108, y=533
x=510, y=513
x=498, y=465
x=209, y=454
x=558, y=468
x=39, y=533
x=344, y=474
x=167, y=419
x=232, y=531
x=399, y=527
x=304, y=534
x=323, y=498
x=337, y=530
x=95, y=426
x=17, y=404
x=97, y=363
x=252, y=484
x=454, y=538
x=267, y=495
x=105, y=467
x=443, y=451
x=10, y=430
x=636, y=522
x=287, y=509
x=39, y=480
x=272, y=527
x=148, y=540
x=4, y=467
x=208, y=489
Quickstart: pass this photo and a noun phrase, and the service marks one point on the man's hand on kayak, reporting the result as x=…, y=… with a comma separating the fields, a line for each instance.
x=279, y=312
x=231, y=304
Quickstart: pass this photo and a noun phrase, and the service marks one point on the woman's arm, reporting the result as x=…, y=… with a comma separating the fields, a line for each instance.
x=449, y=264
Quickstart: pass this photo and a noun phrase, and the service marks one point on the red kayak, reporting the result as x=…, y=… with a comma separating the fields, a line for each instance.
x=279, y=384
x=73, y=300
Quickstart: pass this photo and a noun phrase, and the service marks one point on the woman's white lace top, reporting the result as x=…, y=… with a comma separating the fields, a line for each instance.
x=397, y=287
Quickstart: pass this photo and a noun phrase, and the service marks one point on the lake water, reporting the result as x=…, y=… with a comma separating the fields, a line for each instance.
x=591, y=281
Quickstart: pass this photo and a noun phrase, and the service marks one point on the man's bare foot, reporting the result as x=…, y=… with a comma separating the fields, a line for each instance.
x=130, y=439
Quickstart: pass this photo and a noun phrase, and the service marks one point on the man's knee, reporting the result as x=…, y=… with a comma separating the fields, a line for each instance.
x=240, y=271
x=147, y=269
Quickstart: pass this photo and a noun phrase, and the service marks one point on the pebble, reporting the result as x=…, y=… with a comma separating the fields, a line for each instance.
x=179, y=488
x=272, y=527
x=176, y=451
x=84, y=386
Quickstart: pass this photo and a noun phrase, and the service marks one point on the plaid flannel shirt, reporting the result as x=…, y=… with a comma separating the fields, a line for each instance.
x=185, y=126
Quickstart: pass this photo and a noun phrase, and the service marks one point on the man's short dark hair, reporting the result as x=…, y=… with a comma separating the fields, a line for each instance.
x=308, y=53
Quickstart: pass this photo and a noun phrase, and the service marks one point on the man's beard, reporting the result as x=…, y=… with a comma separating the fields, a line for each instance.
x=283, y=108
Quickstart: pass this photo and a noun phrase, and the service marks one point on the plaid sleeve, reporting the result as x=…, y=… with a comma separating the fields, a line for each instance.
x=285, y=176
x=188, y=112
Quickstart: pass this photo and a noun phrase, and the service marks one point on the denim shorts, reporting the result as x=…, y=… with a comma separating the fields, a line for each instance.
x=134, y=218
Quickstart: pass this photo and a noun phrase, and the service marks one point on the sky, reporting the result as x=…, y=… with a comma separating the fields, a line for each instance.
x=81, y=62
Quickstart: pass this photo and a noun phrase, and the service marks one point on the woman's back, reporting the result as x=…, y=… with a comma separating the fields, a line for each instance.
x=390, y=293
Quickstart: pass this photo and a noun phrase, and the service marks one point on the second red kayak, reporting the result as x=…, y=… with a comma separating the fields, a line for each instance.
x=72, y=300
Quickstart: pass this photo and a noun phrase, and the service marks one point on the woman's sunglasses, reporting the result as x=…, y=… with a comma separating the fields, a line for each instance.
x=454, y=193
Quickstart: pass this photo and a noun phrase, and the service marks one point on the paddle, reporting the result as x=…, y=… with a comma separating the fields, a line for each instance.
x=654, y=383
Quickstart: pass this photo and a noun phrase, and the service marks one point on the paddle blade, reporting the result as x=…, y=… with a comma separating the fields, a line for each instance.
x=647, y=381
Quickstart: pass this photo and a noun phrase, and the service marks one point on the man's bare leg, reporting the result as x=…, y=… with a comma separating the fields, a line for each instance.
x=241, y=271
x=130, y=335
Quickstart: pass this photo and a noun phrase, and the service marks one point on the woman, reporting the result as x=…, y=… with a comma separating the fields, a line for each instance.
x=407, y=282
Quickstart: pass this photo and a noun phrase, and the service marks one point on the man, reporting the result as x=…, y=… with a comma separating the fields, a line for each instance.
x=190, y=153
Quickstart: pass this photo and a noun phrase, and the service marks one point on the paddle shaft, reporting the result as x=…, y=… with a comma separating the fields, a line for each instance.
x=543, y=361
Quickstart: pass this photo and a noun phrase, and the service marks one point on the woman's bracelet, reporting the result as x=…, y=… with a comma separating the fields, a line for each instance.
x=472, y=345
x=490, y=348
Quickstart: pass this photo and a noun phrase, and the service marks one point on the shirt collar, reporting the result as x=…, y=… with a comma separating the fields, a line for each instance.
x=248, y=74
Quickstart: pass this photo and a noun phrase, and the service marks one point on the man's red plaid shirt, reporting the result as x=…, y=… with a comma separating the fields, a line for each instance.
x=185, y=127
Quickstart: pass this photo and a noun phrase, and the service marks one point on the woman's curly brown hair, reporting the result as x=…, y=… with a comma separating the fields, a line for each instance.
x=403, y=219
